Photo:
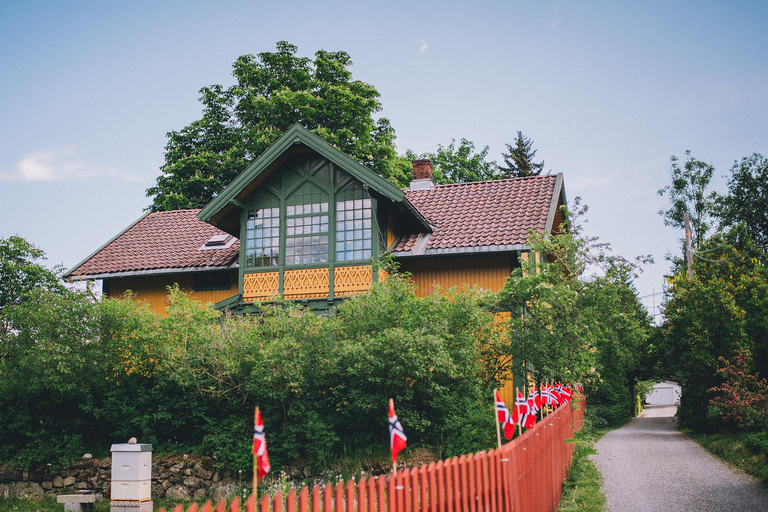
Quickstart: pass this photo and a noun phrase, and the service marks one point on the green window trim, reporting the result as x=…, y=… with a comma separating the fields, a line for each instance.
x=323, y=217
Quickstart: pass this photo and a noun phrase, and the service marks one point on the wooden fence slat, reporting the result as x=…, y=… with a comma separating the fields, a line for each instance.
x=430, y=483
x=471, y=477
x=448, y=487
x=304, y=499
x=463, y=482
x=328, y=498
x=234, y=505
x=403, y=498
x=316, y=499
x=192, y=508
x=371, y=493
x=362, y=496
x=221, y=506
x=338, y=497
x=493, y=480
x=381, y=495
x=483, y=490
x=250, y=505
x=290, y=501
x=441, y=488
x=264, y=503
x=351, y=497
x=277, y=502
x=413, y=476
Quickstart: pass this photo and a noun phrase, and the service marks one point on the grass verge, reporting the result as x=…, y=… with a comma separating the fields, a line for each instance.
x=581, y=491
x=50, y=505
x=731, y=447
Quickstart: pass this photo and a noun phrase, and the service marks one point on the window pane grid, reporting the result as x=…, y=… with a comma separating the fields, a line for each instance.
x=262, y=238
x=307, y=227
x=353, y=225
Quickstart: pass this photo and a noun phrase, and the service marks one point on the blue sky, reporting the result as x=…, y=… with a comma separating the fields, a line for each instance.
x=608, y=91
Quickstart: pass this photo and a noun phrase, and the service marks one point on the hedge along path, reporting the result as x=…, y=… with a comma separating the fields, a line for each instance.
x=524, y=475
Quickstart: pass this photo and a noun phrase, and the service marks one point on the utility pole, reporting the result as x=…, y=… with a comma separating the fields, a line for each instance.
x=688, y=247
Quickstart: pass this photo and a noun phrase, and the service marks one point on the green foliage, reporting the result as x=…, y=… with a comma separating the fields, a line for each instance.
x=567, y=326
x=273, y=92
x=742, y=398
x=461, y=164
x=747, y=198
x=721, y=311
x=582, y=489
x=519, y=161
x=742, y=450
x=20, y=274
x=77, y=375
x=323, y=382
x=688, y=193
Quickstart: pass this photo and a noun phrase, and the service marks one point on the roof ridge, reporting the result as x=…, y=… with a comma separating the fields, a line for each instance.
x=180, y=210
x=481, y=182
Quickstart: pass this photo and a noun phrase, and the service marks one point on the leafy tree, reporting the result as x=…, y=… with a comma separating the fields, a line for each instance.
x=461, y=164
x=519, y=161
x=747, y=198
x=566, y=325
x=20, y=274
x=721, y=311
x=273, y=92
x=689, y=192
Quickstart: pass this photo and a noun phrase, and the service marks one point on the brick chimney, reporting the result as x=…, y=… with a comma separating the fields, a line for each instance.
x=422, y=174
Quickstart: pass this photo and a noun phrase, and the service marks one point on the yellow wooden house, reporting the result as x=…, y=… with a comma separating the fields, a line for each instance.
x=305, y=222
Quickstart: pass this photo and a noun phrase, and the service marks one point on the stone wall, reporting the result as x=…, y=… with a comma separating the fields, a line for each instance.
x=183, y=477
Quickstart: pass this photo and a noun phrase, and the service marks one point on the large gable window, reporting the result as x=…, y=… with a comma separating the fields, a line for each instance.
x=262, y=234
x=306, y=226
x=353, y=224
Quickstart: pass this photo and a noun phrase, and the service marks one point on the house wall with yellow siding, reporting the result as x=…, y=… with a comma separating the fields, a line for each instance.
x=488, y=271
x=153, y=289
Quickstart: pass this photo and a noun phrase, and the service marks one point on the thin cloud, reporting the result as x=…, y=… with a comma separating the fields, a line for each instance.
x=556, y=22
x=423, y=46
x=59, y=164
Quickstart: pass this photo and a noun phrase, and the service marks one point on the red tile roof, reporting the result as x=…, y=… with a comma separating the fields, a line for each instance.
x=163, y=240
x=484, y=214
x=465, y=217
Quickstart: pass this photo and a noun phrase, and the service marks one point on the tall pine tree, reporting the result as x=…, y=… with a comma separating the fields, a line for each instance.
x=519, y=161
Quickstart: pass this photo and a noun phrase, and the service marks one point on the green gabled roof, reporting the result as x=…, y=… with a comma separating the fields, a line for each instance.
x=297, y=135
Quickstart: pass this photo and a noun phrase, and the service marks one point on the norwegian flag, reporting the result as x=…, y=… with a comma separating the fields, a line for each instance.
x=528, y=420
x=580, y=387
x=537, y=401
x=502, y=414
x=397, y=439
x=568, y=391
x=548, y=394
x=260, y=446
x=532, y=407
x=562, y=394
x=520, y=409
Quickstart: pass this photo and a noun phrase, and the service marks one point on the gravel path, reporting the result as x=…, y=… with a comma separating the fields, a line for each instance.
x=648, y=466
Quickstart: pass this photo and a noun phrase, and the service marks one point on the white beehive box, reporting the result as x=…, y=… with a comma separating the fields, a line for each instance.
x=131, y=472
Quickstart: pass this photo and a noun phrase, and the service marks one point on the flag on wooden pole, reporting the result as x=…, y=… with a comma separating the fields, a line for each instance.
x=260, y=456
x=503, y=417
x=397, y=439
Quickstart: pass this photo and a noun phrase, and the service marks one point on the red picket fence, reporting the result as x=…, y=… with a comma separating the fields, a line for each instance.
x=524, y=475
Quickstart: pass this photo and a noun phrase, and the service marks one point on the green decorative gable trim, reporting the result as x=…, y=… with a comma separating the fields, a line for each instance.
x=223, y=211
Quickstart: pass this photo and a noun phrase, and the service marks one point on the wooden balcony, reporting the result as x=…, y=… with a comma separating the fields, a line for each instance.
x=309, y=283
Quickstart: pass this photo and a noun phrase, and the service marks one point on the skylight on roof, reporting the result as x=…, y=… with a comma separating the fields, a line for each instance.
x=218, y=242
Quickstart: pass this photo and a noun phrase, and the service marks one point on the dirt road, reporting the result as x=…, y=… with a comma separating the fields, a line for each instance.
x=648, y=466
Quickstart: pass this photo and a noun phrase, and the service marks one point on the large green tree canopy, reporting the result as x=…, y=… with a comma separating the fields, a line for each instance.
x=273, y=91
x=747, y=198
